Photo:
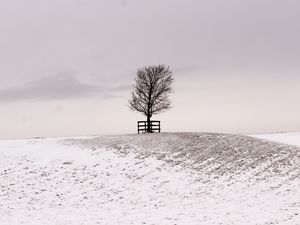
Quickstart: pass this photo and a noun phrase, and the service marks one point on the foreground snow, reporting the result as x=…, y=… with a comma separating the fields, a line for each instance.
x=149, y=179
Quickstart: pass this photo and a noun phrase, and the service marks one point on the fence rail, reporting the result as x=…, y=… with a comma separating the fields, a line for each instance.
x=143, y=126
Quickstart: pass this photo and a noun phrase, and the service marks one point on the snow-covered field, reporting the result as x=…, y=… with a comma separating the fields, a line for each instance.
x=287, y=138
x=149, y=179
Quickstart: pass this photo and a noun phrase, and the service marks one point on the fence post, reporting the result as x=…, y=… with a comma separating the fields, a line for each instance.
x=153, y=126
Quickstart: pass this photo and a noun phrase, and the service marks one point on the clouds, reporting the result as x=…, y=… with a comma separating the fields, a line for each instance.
x=103, y=37
x=60, y=86
x=232, y=57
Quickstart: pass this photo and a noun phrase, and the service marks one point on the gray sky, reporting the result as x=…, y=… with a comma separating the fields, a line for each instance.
x=67, y=66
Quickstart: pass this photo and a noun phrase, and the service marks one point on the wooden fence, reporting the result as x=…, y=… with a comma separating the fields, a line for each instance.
x=143, y=126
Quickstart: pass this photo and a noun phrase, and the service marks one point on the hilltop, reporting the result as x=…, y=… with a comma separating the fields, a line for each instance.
x=168, y=178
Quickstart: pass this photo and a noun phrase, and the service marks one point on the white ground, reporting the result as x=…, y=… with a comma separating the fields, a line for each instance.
x=108, y=181
x=287, y=138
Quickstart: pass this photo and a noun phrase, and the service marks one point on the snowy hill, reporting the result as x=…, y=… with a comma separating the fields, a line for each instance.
x=190, y=178
x=287, y=138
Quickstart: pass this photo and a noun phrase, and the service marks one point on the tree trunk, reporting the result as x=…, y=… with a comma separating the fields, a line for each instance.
x=149, y=125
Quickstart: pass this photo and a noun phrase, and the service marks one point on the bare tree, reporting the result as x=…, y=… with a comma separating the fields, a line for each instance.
x=151, y=92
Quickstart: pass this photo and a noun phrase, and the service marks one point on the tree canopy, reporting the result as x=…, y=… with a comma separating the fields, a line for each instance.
x=151, y=92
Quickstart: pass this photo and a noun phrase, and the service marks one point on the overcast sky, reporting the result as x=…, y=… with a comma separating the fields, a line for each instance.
x=67, y=66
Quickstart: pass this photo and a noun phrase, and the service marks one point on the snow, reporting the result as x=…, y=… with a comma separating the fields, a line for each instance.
x=287, y=138
x=149, y=179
